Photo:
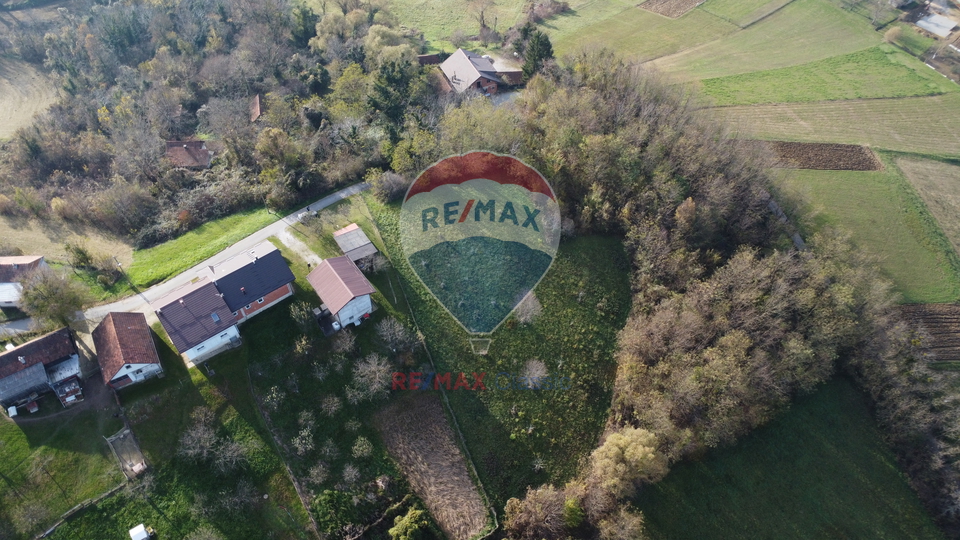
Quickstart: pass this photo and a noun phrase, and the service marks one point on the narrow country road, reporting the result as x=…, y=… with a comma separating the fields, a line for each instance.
x=141, y=302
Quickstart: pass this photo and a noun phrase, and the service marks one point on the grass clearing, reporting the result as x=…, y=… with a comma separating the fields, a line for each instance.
x=876, y=72
x=917, y=125
x=742, y=12
x=48, y=465
x=631, y=31
x=46, y=237
x=585, y=298
x=887, y=219
x=912, y=40
x=182, y=495
x=156, y=264
x=938, y=184
x=24, y=92
x=819, y=470
x=804, y=31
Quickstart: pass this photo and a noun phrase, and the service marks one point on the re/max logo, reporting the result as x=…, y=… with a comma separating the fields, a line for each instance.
x=426, y=381
x=430, y=216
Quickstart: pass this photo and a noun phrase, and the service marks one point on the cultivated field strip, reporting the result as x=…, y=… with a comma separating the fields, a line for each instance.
x=418, y=436
x=670, y=8
x=942, y=322
x=938, y=184
x=923, y=124
x=821, y=156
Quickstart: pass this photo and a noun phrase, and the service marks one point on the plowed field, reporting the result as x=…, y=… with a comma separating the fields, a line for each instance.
x=942, y=322
x=822, y=156
x=670, y=8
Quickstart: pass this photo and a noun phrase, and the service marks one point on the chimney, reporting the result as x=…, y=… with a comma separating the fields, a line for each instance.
x=181, y=301
x=22, y=359
x=243, y=290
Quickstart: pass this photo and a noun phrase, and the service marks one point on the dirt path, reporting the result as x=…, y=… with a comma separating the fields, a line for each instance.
x=299, y=247
x=24, y=92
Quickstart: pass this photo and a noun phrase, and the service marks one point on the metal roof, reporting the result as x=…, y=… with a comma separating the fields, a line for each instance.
x=338, y=281
x=186, y=314
x=123, y=338
x=354, y=242
x=250, y=275
x=10, y=292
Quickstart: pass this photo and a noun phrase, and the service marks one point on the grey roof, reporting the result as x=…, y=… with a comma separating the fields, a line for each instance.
x=187, y=314
x=10, y=292
x=337, y=282
x=464, y=68
x=22, y=369
x=250, y=275
x=354, y=242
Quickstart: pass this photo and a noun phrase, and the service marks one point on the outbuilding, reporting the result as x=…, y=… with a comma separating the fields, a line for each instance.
x=343, y=289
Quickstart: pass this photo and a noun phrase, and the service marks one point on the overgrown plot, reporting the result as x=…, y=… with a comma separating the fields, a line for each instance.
x=419, y=437
x=938, y=184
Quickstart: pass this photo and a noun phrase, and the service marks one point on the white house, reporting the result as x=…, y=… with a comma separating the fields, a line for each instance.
x=198, y=321
x=125, y=349
x=342, y=287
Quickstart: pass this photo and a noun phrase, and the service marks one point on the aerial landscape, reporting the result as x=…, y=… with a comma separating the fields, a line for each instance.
x=479, y=269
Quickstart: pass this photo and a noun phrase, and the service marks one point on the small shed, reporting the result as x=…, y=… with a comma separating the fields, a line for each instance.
x=354, y=242
x=141, y=532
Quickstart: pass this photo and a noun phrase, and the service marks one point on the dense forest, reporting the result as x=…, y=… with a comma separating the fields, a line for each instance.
x=730, y=320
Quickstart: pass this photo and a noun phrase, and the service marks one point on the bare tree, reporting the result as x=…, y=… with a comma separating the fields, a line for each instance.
x=362, y=448
x=528, y=309
x=228, y=455
x=199, y=440
x=302, y=316
x=331, y=405
x=303, y=442
x=395, y=336
x=344, y=342
x=371, y=376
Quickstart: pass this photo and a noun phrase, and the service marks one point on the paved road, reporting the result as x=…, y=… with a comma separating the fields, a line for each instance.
x=141, y=302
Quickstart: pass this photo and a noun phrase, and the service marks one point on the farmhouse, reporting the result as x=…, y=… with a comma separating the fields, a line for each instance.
x=189, y=154
x=252, y=281
x=49, y=362
x=354, y=242
x=13, y=271
x=125, y=349
x=343, y=289
x=198, y=321
x=465, y=70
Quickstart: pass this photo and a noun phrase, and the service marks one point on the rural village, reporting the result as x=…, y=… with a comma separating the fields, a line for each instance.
x=213, y=325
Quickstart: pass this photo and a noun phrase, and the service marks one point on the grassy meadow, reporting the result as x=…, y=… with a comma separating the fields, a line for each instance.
x=153, y=265
x=180, y=496
x=522, y=437
x=922, y=125
x=938, y=184
x=877, y=72
x=742, y=13
x=885, y=217
x=803, y=31
x=50, y=464
x=819, y=470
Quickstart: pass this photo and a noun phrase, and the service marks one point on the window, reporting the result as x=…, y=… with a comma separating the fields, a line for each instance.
x=126, y=366
x=260, y=301
x=216, y=318
x=137, y=372
x=234, y=313
x=246, y=306
x=200, y=348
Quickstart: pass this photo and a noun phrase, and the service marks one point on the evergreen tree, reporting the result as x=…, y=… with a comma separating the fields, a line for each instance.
x=539, y=50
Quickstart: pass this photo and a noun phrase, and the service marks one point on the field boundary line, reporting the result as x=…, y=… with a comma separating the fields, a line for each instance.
x=443, y=393
x=80, y=506
x=276, y=447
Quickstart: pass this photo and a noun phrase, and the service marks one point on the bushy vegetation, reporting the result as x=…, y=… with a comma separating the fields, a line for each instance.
x=335, y=90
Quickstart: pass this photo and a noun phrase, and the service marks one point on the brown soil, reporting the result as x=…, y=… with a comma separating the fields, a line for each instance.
x=670, y=8
x=942, y=323
x=821, y=156
x=418, y=436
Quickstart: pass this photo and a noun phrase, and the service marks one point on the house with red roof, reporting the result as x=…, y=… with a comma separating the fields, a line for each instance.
x=343, y=289
x=125, y=349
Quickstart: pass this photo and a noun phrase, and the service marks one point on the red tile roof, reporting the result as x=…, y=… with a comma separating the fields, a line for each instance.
x=45, y=350
x=189, y=154
x=123, y=338
x=338, y=281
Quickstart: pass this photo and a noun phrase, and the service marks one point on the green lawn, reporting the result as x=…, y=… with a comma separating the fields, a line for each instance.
x=802, y=32
x=156, y=264
x=820, y=470
x=877, y=72
x=923, y=125
x=886, y=217
x=742, y=12
x=632, y=32
x=49, y=465
x=585, y=298
x=186, y=495
x=912, y=40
